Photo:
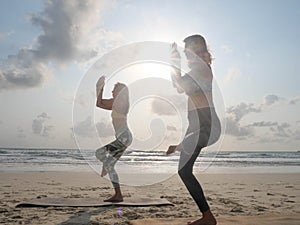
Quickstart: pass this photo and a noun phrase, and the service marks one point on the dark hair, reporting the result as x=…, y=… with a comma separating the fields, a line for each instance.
x=201, y=49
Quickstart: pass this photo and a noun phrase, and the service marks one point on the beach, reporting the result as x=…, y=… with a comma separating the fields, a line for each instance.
x=234, y=197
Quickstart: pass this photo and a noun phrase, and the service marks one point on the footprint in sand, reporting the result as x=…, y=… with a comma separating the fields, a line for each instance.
x=289, y=186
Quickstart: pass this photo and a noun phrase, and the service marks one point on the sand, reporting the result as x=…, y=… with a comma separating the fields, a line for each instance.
x=234, y=197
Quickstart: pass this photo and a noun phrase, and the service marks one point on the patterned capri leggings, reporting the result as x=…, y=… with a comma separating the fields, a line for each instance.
x=111, y=153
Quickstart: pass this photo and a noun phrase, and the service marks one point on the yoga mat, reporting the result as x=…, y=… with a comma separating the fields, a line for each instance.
x=92, y=202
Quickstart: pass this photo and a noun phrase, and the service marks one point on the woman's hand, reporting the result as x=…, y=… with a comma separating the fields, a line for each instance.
x=171, y=149
x=100, y=82
x=176, y=60
x=176, y=67
x=175, y=55
x=99, y=85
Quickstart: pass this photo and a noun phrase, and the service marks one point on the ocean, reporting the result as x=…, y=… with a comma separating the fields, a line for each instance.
x=135, y=161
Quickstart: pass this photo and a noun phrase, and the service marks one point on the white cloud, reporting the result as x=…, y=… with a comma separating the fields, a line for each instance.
x=294, y=101
x=162, y=107
x=242, y=109
x=71, y=32
x=227, y=49
x=20, y=132
x=22, y=71
x=168, y=105
x=278, y=133
x=281, y=130
x=264, y=124
x=296, y=135
x=234, y=128
x=273, y=131
x=86, y=128
x=105, y=129
x=40, y=125
x=270, y=99
x=4, y=36
x=235, y=114
x=231, y=75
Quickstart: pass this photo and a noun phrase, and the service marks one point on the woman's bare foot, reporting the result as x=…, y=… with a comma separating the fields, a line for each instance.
x=202, y=222
x=104, y=172
x=115, y=198
x=171, y=149
x=207, y=219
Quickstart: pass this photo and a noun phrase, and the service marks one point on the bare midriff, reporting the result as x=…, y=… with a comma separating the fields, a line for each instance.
x=200, y=100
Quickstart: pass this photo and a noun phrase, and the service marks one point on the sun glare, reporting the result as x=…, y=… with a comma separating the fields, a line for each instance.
x=155, y=70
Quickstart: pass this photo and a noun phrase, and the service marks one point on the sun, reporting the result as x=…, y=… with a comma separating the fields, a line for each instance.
x=155, y=69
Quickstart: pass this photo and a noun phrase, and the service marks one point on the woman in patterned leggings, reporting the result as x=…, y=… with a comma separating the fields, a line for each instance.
x=110, y=153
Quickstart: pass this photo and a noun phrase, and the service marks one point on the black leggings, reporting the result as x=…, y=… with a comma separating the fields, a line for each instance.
x=204, y=129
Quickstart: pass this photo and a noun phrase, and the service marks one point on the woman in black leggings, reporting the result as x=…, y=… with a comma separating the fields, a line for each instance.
x=204, y=125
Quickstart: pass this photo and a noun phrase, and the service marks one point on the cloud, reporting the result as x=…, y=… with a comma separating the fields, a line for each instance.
x=296, y=135
x=234, y=128
x=281, y=130
x=161, y=107
x=168, y=105
x=234, y=115
x=227, y=49
x=84, y=128
x=39, y=125
x=264, y=124
x=104, y=129
x=277, y=132
x=20, y=132
x=242, y=109
x=66, y=27
x=71, y=32
x=232, y=74
x=87, y=127
x=44, y=116
x=261, y=131
x=270, y=99
x=4, y=36
x=22, y=71
x=294, y=101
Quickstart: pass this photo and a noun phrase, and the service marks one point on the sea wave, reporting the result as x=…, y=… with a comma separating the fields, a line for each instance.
x=22, y=159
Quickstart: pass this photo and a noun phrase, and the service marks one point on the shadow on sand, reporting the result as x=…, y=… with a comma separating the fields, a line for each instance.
x=84, y=216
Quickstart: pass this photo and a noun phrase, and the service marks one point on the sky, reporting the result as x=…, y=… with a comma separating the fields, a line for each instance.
x=51, y=53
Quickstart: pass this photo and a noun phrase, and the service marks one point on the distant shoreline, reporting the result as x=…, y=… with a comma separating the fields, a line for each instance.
x=159, y=150
x=156, y=162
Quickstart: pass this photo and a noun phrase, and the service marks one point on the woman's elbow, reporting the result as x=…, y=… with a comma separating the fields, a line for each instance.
x=99, y=104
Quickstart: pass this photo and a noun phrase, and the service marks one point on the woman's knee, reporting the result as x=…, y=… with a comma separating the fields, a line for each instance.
x=184, y=173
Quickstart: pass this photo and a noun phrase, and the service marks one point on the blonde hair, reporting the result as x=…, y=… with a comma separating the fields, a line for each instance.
x=197, y=44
